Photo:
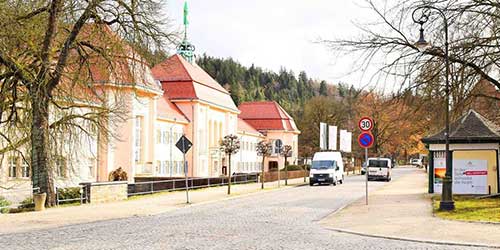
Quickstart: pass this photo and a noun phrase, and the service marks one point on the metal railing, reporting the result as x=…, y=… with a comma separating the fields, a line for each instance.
x=31, y=191
x=151, y=187
x=82, y=198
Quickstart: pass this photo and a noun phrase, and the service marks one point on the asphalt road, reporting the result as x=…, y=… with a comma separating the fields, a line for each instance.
x=284, y=219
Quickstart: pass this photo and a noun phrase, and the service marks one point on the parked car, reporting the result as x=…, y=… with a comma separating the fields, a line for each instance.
x=327, y=167
x=416, y=162
x=379, y=169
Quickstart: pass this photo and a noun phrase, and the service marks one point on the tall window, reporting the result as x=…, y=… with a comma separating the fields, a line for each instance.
x=173, y=166
x=275, y=149
x=138, y=139
x=13, y=166
x=163, y=169
x=181, y=167
x=174, y=137
x=25, y=169
x=158, y=136
x=168, y=168
x=166, y=137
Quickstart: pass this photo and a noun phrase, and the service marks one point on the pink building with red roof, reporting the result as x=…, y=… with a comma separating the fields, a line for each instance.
x=271, y=120
x=209, y=108
x=158, y=106
x=196, y=105
x=212, y=114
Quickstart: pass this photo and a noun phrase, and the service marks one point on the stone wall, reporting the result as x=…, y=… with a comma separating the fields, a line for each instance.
x=273, y=176
x=99, y=192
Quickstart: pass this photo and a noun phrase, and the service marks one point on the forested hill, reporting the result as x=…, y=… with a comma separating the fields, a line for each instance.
x=254, y=83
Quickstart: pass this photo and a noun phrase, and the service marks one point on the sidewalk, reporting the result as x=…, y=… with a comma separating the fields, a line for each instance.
x=136, y=206
x=403, y=210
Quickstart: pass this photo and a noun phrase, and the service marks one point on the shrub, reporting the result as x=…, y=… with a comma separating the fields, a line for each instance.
x=27, y=203
x=68, y=193
x=292, y=168
x=295, y=167
x=4, y=203
x=118, y=175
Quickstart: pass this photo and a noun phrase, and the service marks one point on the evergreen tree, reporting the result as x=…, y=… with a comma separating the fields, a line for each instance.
x=322, y=88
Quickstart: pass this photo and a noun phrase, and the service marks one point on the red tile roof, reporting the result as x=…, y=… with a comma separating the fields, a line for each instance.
x=167, y=110
x=267, y=115
x=183, y=80
x=123, y=66
x=245, y=127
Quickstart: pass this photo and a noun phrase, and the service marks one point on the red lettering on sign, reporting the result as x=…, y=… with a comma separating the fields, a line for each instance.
x=472, y=172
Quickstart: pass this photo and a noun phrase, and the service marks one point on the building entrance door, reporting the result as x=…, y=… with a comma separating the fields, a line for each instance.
x=273, y=165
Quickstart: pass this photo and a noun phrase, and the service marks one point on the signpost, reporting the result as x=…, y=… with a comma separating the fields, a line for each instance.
x=183, y=144
x=366, y=140
x=278, y=144
x=365, y=124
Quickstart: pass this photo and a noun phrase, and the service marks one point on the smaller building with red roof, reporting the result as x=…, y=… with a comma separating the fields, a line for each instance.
x=271, y=120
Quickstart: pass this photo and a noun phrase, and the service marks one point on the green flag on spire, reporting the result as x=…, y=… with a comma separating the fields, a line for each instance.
x=186, y=13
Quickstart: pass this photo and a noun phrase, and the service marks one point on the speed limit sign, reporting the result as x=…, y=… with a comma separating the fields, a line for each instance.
x=365, y=124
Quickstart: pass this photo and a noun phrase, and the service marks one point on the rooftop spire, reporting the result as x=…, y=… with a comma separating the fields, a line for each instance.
x=186, y=49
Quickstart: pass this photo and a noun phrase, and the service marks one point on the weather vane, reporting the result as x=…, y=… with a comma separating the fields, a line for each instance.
x=186, y=49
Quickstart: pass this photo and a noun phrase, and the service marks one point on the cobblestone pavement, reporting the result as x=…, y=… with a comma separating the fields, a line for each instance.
x=285, y=219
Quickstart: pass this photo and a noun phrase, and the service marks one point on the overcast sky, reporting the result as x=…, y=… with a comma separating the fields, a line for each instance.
x=275, y=33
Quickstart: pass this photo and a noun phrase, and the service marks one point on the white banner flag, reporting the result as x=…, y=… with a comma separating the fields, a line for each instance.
x=322, y=135
x=348, y=143
x=345, y=141
x=332, y=137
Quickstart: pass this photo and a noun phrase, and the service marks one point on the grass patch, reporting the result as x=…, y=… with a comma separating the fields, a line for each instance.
x=470, y=209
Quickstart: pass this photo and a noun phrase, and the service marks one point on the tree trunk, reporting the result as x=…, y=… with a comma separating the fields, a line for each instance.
x=262, y=170
x=41, y=171
x=229, y=174
x=286, y=171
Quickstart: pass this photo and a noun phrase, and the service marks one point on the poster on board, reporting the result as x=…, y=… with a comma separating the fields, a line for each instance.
x=439, y=173
x=470, y=176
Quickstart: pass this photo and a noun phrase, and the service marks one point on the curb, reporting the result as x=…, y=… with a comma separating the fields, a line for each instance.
x=436, y=242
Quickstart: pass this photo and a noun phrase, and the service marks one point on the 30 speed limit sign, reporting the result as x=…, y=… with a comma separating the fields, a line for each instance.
x=365, y=124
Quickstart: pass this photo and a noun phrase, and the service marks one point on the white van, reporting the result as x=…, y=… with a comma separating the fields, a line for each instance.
x=327, y=167
x=379, y=169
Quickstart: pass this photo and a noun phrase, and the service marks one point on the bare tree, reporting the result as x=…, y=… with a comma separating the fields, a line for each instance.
x=52, y=56
x=287, y=152
x=230, y=145
x=474, y=50
x=264, y=149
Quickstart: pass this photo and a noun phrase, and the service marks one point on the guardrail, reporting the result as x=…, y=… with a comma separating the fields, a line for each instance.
x=151, y=187
x=83, y=195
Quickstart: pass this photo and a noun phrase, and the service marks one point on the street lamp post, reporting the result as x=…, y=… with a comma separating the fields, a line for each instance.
x=447, y=202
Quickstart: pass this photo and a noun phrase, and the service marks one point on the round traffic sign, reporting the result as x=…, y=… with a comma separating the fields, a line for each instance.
x=365, y=140
x=365, y=124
